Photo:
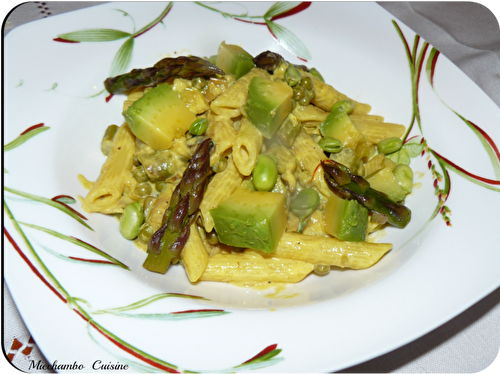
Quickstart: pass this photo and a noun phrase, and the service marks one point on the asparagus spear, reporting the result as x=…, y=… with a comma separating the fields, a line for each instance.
x=268, y=61
x=271, y=60
x=166, y=244
x=169, y=67
x=351, y=186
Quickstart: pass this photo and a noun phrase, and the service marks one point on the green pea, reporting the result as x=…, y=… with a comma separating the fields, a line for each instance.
x=316, y=73
x=348, y=106
x=131, y=220
x=307, y=83
x=212, y=237
x=404, y=177
x=159, y=186
x=145, y=233
x=199, y=82
x=298, y=93
x=292, y=76
x=143, y=189
x=304, y=204
x=199, y=126
x=265, y=173
x=321, y=269
x=140, y=174
x=331, y=145
x=389, y=145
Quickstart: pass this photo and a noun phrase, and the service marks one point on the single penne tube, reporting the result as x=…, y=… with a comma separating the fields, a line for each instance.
x=330, y=251
x=370, y=117
x=220, y=187
x=251, y=267
x=160, y=204
x=110, y=191
x=221, y=131
x=194, y=255
x=247, y=146
x=309, y=156
x=327, y=95
x=376, y=131
x=307, y=152
x=310, y=113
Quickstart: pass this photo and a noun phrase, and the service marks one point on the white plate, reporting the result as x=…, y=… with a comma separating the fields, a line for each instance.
x=442, y=263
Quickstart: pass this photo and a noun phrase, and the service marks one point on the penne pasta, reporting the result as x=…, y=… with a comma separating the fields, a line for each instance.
x=251, y=267
x=221, y=186
x=285, y=220
x=247, y=146
x=230, y=103
x=110, y=191
x=330, y=251
x=194, y=255
x=223, y=134
x=376, y=130
x=326, y=96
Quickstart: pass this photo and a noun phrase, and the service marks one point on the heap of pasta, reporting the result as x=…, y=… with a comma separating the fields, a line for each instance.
x=248, y=169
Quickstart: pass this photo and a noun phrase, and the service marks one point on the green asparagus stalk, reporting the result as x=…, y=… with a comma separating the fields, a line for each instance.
x=169, y=67
x=350, y=186
x=268, y=61
x=166, y=244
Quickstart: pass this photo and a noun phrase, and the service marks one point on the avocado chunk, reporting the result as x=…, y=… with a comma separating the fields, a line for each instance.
x=346, y=219
x=158, y=117
x=338, y=125
x=289, y=130
x=385, y=182
x=251, y=219
x=232, y=59
x=268, y=104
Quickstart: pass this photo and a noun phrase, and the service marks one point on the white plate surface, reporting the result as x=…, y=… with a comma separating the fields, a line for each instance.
x=441, y=263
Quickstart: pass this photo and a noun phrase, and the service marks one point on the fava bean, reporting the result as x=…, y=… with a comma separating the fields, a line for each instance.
x=131, y=220
x=304, y=204
x=314, y=72
x=404, y=177
x=292, y=76
x=348, y=106
x=265, y=173
x=331, y=145
x=389, y=145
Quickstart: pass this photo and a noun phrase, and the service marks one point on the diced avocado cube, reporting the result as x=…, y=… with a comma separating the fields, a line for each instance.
x=289, y=130
x=338, y=125
x=232, y=59
x=385, y=181
x=251, y=219
x=159, y=117
x=268, y=104
x=346, y=219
